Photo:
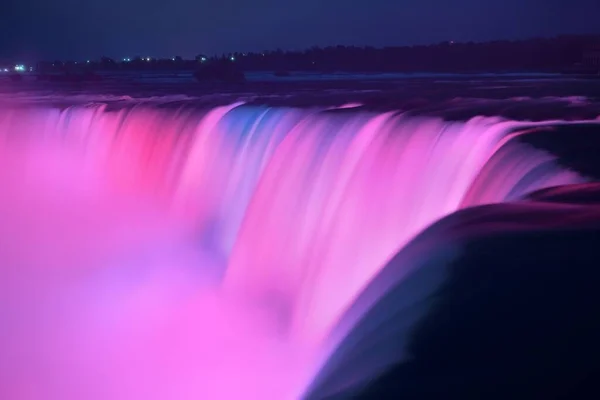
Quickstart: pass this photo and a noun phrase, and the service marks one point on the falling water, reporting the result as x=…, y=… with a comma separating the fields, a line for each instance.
x=152, y=254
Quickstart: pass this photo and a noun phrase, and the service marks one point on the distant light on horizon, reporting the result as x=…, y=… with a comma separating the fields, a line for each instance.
x=19, y=68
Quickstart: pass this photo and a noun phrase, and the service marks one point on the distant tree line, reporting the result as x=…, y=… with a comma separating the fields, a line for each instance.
x=541, y=54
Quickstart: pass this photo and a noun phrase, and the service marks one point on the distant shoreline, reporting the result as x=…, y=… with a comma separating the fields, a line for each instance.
x=567, y=54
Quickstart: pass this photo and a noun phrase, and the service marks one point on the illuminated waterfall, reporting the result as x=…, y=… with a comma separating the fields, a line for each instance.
x=161, y=254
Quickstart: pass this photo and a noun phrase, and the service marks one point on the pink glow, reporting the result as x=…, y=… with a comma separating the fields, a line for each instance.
x=154, y=255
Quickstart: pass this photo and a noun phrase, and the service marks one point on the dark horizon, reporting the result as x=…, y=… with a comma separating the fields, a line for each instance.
x=573, y=54
x=65, y=29
x=583, y=38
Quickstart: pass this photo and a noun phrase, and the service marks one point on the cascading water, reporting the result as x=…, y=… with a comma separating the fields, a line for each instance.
x=152, y=254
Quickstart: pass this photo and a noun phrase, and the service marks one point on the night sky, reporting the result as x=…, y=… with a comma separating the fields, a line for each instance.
x=81, y=29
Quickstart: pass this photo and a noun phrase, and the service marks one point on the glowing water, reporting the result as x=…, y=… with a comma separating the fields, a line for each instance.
x=148, y=254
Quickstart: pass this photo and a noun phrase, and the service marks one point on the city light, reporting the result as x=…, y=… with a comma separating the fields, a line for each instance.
x=20, y=68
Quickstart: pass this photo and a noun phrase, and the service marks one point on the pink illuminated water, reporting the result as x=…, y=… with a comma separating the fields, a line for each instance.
x=148, y=254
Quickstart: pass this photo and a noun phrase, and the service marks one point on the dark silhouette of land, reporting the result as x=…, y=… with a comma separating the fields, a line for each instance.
x=570, y=53
x=222, y=70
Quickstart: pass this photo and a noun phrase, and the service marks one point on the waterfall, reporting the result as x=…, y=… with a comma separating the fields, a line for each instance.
x=294, y=212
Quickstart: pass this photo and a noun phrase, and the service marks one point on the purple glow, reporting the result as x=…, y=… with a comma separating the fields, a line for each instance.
x=157, y=255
